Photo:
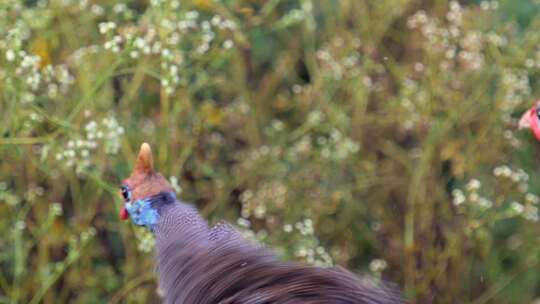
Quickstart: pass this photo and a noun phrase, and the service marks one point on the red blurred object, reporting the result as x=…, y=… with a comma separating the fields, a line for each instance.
x=124, y=215
x=531, y=120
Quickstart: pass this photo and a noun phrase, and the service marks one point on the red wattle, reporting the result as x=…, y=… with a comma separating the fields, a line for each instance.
x=124, y=215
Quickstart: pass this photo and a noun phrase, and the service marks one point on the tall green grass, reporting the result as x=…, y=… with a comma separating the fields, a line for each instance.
x=377, y=135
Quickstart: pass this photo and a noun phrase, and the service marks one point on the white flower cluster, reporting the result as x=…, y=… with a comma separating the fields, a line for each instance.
x=471, y=55
x=110, y=131
x=325, y=56
x=292, y=17
x=533, y=63
x=508, y=205
x=305, y=227
x=113, y=44
x=77, y=152
x=302, y=147
x=27, y=68
x=145, y=240
x=254, y=203
x=244, y=223
x=56, y=209
x=178, y=36
x=78, y=55
x=496, y=39
x=412, y=98
x=123, y=10
x=377, y=266
x=308, y=247
x=527, y=211
x=336, y=146
x=88, y=234
x=333, y=145
x=174, y=183
x=531, y=212
x=84, y=5
x=7, y=196
x=340, y=66
x=472, y=196
x=489, y=5
x=512, y=139
x=33, y=192
x=460, y=48
x=517, y=176
x=516, y=87
x=105, y=27
x=58, y=79
x=315, y=117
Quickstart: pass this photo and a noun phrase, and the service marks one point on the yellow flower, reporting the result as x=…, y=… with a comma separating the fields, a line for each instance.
x=247, y=11
x=40, y=47
x=205, y=5
x=211, y=114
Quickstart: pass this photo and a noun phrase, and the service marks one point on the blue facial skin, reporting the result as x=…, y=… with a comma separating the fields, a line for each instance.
x=142, y=213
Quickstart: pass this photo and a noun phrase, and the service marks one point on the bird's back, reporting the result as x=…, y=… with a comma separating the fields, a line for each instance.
x=196, y=267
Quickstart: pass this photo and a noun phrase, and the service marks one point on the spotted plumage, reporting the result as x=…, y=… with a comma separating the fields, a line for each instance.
x=208, y=265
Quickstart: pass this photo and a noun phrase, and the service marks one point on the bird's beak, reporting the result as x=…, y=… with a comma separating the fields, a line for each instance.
x=525, y=120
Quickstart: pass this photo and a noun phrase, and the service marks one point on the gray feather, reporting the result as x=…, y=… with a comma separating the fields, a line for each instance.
x=198, y=265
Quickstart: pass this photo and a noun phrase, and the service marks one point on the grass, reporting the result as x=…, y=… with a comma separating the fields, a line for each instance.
x=378, y=135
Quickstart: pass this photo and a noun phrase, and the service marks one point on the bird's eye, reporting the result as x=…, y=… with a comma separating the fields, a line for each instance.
x=126, y=193
x=538, y=111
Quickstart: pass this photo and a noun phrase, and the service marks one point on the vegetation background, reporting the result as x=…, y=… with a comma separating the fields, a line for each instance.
x=379, y=135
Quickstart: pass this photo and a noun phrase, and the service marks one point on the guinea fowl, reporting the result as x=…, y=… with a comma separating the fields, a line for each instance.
x=201, y=264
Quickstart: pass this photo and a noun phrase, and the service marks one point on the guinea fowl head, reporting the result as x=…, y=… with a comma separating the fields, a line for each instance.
x=531, y=120
x=140, y=187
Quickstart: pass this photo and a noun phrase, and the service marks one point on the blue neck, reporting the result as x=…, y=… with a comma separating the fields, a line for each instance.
x=145, y=212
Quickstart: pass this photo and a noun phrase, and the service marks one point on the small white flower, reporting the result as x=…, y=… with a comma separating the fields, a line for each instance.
x=85, y=153
x=205, y=25
x=227, y=44
x=56, y=209
x=10, y=55
x=192, y=15
x=377, y=265
x=532, y=198
x=287, y=228
x=174, y=183
x=473, y=197
x=260, y=211
x=175, y=4
x=315, y=117
x=105, y=27
x=473, y=185
x=166, y=53
x=97, y=10
x=216, y=20
x=531, y=213
x=20, y=225
x=242, y=222
x=485, y=203
x=517, y=207
x=485, y=5
x=458, y=197
x=301, y=252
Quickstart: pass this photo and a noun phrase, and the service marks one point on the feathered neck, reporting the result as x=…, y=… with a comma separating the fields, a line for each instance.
x=146, y=212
